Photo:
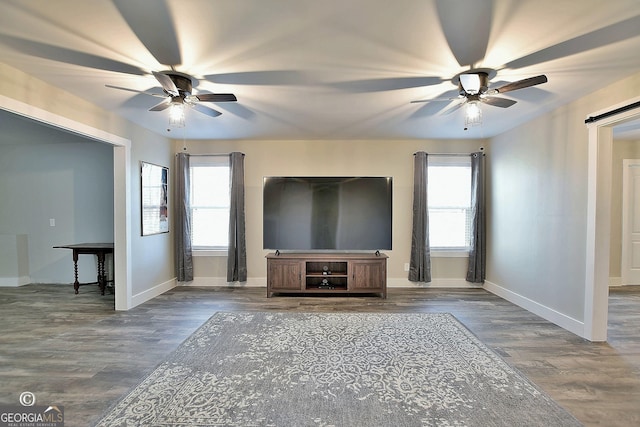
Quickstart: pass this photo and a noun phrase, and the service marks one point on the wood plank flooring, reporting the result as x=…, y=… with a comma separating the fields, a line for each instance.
x=76, y=351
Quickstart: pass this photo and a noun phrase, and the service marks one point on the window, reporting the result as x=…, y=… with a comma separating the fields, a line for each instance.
x=210, y=199
x=449, y=201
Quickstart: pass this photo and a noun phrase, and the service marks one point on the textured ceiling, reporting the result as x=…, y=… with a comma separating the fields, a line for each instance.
x=330, y=69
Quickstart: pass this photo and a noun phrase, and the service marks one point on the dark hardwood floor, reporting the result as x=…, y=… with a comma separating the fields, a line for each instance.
x=76, y=351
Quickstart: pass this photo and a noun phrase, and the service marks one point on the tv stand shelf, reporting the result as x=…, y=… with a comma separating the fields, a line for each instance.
x=330, y=273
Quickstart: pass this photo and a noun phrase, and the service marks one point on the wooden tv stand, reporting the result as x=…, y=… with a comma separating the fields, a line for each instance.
x=330, y=273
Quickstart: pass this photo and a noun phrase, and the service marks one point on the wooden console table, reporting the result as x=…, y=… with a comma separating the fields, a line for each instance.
x=328, y=273
x=98, y=249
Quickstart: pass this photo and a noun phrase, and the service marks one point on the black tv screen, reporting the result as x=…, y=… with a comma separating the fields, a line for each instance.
x=327, y=213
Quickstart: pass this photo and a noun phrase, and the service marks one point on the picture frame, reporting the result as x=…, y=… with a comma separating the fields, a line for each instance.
x=154, y=189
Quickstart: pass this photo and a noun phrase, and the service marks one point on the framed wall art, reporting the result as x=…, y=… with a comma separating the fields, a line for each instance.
x=154, y=191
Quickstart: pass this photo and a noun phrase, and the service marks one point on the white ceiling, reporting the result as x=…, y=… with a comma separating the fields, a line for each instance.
x=323, y=69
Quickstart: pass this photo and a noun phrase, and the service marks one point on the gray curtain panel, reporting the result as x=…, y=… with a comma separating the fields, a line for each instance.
x=477, y=253
x=237, y=251
x=420, y=262
x=184, y=260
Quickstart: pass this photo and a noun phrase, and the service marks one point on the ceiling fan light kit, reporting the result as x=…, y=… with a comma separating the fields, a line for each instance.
x=473, y=114
x=177, y=115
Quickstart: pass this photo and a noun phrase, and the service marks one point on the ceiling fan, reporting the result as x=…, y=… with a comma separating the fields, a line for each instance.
x=177, y=91
x=473, y=88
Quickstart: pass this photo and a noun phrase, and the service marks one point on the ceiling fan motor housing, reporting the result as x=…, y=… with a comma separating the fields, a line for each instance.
x=483, y=84
x=182, y=83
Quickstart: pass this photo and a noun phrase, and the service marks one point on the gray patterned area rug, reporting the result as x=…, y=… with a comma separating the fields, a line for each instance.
x=304, y=369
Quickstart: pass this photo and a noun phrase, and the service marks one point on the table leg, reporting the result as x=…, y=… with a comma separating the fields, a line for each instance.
x=102, y=278
x=76, y=284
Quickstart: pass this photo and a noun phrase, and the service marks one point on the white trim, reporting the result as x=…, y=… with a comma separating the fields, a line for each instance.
x=60, y=122
x=209, y=252
x=252, y=282
x=547, y=313
x=121, y=187
x=122, y=228
x=396, y=282
x=261, y=282
x=596, y=285
x=153, y=292
x=14, y=282
x=454, y=253
x=615, y=281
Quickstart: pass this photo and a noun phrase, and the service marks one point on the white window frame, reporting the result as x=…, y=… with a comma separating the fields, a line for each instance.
x=207, y=161
x=443, y=161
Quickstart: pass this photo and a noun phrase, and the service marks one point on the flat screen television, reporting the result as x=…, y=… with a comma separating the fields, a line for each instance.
x=306, y=213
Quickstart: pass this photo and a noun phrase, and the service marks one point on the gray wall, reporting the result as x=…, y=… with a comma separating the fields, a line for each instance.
x=152, y=260
x=64, y=178
x=538, y=206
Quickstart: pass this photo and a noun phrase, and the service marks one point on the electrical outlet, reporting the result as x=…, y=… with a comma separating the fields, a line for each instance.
x=52, y=222
x=406, y=266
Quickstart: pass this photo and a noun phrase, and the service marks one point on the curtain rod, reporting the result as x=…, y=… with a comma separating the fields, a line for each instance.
x=592, y=119
x=451, y=154
x=209, y=155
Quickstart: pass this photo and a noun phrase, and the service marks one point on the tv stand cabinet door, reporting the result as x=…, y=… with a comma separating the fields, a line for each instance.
x=283, y=275
x=369, y=276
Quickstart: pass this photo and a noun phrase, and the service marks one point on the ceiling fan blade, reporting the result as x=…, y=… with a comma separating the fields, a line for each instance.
x=453, y=107
x=137, y=91
x=498, y=102
x=448, y=96
x=167, y=84
x=152, y=24
x=605, y=36
x=466, y=26
x=393, y=83
x=521, y=84
x=206, y=110
x=419, y=101
x=427, y=109
x=240, y=111
x=216, y=97
x=69, y=56
x=161, y=106
x=262, y=78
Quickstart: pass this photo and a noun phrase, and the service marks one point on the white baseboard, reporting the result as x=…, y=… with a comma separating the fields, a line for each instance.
x=397, y=282
x=14, y=282
x=619, y=282
x=252, y=282
x=572, y=325
x=615, y=281
x=261, y=282
x=151, y=293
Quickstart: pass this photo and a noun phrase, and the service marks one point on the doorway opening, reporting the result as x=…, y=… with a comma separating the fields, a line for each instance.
x=630, y=218
x=121, y=180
